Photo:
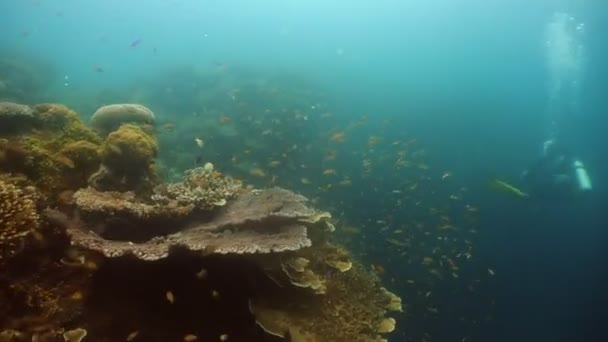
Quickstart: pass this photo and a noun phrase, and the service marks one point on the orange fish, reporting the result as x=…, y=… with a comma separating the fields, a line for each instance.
x=378, y=269
x=338, y=137
x=169, y=127
x=373, y=141
x=224, y=119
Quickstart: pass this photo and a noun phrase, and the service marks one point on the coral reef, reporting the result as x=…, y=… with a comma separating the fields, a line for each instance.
x=315, y=286
x=109, y=118
x=200, y=259
x=127, y=156
x=202, y=187
x=18, y=219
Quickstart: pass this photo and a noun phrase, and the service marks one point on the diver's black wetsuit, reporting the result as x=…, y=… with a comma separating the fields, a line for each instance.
x=552, y=177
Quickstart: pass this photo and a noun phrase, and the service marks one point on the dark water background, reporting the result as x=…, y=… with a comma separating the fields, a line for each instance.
x=467, y=79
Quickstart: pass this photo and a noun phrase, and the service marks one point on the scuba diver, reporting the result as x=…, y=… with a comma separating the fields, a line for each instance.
x=557, y=174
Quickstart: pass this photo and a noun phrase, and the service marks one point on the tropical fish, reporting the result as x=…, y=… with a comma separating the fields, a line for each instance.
x=199, y=142
x=505, y=187
x=136, y=42
x=338, y=137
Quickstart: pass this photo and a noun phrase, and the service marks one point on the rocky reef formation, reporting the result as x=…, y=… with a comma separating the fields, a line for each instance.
x=126, y=257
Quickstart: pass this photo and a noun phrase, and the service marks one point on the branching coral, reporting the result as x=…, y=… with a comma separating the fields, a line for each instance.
x=18, y=219
x=202, y=187
x=108, y=118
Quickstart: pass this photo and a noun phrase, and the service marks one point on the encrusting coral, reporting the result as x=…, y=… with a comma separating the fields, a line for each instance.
x=18, y=219
x=109, y=118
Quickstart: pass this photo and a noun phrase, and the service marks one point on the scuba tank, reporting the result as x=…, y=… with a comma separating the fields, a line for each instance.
x=582, y=177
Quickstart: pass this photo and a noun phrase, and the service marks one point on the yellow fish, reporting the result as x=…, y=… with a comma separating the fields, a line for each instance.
x=507, y=188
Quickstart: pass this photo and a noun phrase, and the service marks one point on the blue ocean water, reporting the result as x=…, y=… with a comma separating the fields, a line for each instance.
x=472, y=82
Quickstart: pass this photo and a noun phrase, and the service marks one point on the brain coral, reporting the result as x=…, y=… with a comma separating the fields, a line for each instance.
x=108, y=118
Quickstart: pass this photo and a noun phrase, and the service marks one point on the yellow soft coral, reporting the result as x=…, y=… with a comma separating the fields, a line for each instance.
x=127, y=157
x=83, y=154
x=127, y=146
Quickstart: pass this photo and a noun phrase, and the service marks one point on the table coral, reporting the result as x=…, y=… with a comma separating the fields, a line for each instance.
x=264, y=227
x=124, y=204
